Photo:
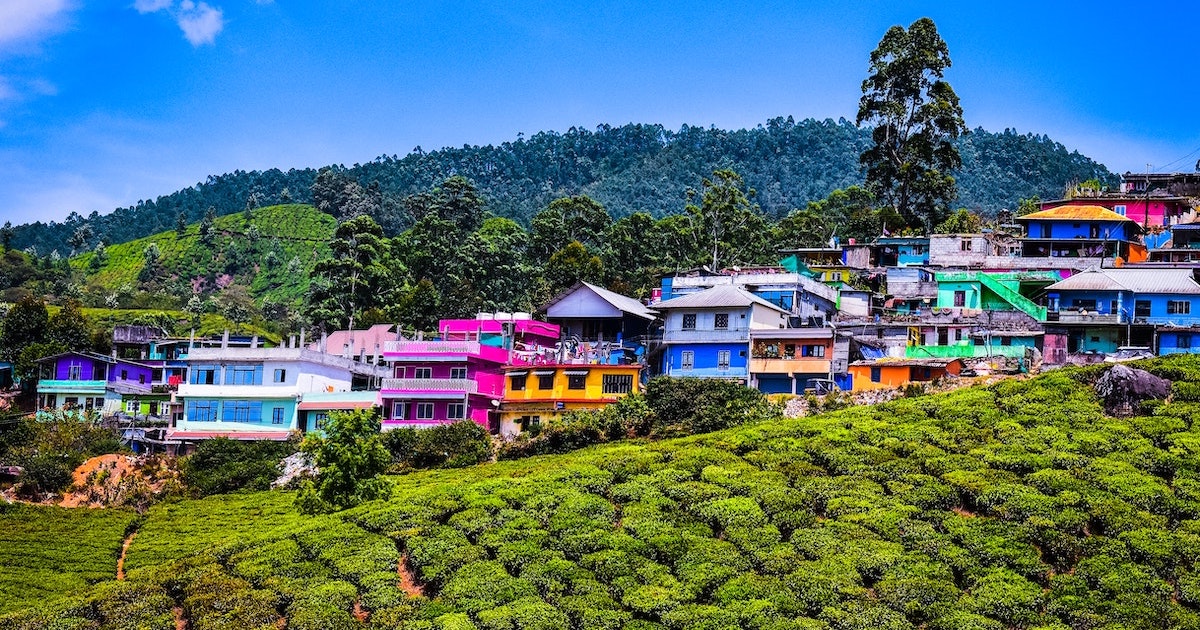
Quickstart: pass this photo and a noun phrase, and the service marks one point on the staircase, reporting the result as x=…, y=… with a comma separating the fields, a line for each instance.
x=1020, y=302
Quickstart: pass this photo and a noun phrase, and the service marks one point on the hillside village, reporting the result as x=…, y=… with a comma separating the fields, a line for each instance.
x=1098, y=276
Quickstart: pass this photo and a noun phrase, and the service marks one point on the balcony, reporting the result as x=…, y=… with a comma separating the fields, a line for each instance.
x=707, y=336
x=806, y=365
x=437, y=385
x=1083, y=317
x=69, y=386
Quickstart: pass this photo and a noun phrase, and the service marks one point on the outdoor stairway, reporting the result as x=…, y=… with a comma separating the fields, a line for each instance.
x=1020, y=302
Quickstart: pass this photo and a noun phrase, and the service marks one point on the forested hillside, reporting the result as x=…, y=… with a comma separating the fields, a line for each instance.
x=1019, y=505
x=628, y=169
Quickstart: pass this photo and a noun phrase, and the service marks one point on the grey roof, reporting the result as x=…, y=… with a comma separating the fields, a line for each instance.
x=620, y=302
x=720, y=296
x=1172, y=281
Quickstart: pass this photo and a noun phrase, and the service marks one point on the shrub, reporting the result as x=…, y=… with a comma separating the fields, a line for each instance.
x=222, y=465
x=685, y=406
x=453, y=445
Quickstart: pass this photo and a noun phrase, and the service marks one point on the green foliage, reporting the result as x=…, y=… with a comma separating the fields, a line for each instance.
x=222, y=465
x=692, y=405
x=51, y=448
x=453, y=445
x=916, y=118
x=349, y=458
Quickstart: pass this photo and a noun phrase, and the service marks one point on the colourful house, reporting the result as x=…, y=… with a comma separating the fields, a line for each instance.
x=997, y=291
x=1084, y=231
x=1104, y=309
x=707, y=334
x=87, y=381
x=1155, y=209
x=458, y=374
x=892, y=373
x=900, y=251
x=541, y=393
x=256, y=393
x=786, y=361
x=590, y=317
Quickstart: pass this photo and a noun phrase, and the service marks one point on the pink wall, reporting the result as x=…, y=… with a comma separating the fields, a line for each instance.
x=1135, y=209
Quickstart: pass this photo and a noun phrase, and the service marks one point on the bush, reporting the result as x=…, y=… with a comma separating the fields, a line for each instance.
x=222, y=465
x=454, y=445
x=686, y=406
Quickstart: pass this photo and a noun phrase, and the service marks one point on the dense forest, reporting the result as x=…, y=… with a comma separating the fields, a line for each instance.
x=631, y=168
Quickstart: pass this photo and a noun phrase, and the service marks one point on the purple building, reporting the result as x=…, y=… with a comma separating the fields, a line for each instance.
x=458, y=375
x=89, y=381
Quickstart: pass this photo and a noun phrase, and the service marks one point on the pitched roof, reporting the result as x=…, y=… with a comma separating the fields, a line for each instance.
x=1074, y=213
x=720, y=296
x=1173, y=281
x=623, y=303
x=371, y=340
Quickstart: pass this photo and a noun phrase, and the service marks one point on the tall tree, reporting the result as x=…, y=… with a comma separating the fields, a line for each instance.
x=579, y=218
x=69, y=327
x=916, y=118
x=355, y=278
x=24, y=324
x=350, y=458
x=726, y=228
x=6, y=236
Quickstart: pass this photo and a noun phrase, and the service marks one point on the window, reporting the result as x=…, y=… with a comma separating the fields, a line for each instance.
x=835, y=276
x=1178, y=307
x=1093, y=230
x=815, y=351
x=618, y=383
x=965, y=245
x=280, y=376
x=721, y=321
x=876, y=375
x=241, y=411
x=528, y=422
x=1141, y=308
x=722, y=359
x=71, y=402
x=546, y=381
x=141, y=379
x=243, y=375
x=202, y=410
x=425, y=411
x=577, y=381
x=75, y=372
x=1006, y=341
x=1085, y=305
x=687, y=360
x=97, y=402
x=398, y=410
x=458, y=372
x=423, y=372
x=789, y=351
x=1119, y=210
x=689, y=321
x=960, y=298
x=1183, y=340
x=321, y=419
x=124, y=375
x=456, y=411
x=277, y=414
x=518, y=382
x=131, y=406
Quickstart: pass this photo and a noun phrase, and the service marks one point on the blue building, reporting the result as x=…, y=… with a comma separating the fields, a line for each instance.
x=1104, y=309
x=707, y=334
x=901, y=251
x=1081, y=232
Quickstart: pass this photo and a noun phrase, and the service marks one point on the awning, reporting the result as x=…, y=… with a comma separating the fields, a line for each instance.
x=326, y=405
x=277, y=436
x=519, y=373
x=543, y=372
x=575, y=372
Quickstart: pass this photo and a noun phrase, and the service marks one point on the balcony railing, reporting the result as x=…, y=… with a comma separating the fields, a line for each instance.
x=1079, y=317
x=801, y=365
x=71, y=385
x=431, y=384
x=432, y=347
x=731, y=335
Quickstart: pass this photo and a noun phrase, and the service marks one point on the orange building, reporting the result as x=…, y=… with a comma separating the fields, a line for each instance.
x=893, y=373
x=539, y=393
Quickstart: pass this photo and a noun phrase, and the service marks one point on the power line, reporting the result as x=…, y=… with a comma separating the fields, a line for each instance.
x=1164, y=166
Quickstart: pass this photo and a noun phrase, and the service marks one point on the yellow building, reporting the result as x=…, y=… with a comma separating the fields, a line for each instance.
x=539, y=393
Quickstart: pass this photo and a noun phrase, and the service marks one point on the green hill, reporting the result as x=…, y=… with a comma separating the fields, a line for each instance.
x=272, y=254
x=1019, y=505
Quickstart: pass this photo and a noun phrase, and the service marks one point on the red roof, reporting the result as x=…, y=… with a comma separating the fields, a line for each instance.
x=277, y=436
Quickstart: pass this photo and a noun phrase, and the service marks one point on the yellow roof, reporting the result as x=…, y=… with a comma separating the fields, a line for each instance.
x=1075, y=213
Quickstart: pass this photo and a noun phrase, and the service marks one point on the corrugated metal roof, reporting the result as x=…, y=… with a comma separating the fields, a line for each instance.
x=888, y=361
x=1171, y=281
x=623, y=302
x=1074, y=213
x=717, y=297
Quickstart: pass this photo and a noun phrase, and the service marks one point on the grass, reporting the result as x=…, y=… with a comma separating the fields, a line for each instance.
x=1018, y=505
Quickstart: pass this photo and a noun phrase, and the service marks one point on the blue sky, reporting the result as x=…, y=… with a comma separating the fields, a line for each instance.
x=105, y=103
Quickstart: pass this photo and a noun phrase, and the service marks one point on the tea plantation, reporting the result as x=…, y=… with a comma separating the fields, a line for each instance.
x=1019, y=505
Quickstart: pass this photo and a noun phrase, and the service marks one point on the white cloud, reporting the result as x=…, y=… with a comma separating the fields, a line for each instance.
x=150, y=6
x=200, y=22
x=23, y=20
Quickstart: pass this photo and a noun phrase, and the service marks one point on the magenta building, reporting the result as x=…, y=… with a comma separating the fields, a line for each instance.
x=458, y=374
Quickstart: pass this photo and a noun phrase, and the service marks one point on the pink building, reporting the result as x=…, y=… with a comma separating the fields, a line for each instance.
x=1145, y=210
x=458, y=375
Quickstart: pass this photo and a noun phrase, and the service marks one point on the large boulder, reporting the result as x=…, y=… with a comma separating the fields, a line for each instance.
x=1123, y=388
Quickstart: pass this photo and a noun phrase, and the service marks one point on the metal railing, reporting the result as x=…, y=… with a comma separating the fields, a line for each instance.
x=431, y=384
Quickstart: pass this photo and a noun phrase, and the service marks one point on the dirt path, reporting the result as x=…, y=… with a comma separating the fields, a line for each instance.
x=408, y=583
x=359, y=613
x=180, y=621
x=124, y=550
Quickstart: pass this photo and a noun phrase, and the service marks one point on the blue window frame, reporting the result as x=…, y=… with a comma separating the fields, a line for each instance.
x=202, y=410
x=244, y=375
x=204, y=374
x=241, y=411
x=277, y=415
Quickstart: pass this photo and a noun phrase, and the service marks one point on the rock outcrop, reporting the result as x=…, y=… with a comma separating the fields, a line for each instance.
x=1123, y=388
